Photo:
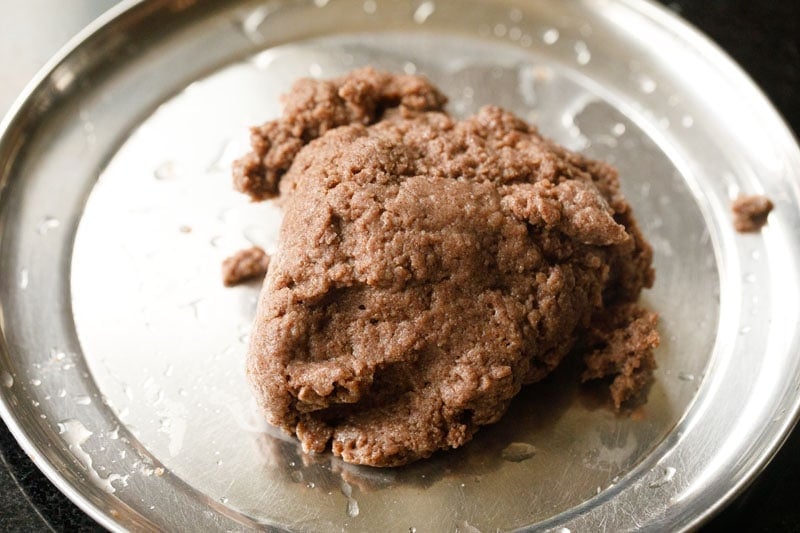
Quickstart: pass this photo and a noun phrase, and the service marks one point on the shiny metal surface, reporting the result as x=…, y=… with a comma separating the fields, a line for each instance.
x=122, y=356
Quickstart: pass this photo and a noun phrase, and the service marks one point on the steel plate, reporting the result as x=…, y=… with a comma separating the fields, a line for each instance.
x=122, y=356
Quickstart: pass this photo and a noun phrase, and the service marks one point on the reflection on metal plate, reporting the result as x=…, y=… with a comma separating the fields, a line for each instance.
x=123, y=356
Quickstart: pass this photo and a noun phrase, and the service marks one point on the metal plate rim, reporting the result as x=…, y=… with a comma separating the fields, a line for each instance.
x=37, y=84
x=656, y=13
x=699, y=40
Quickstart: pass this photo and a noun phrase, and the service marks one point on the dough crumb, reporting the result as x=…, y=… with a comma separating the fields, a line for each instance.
x=750, y=213
x=245, y=265
x=622, y=343
x=428, y=268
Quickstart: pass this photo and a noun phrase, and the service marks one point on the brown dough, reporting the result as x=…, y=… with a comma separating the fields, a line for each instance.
x=245, y=265
x=622, y=341
x=750, y=213
x=316, y=106
x=428, y=268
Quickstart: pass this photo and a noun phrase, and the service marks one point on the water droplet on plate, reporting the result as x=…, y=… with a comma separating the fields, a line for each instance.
x=251, y=25
x=321, y=3
x=685, y=376
x=551, y=36
x=167, y=170
x=36, y=382
x=424, y=11
x=582, y=54
x=687, y=121
x=223, y=499
x=515, y=15
x=23, y=279
x=409, y=67
x=315, y=70
x=500, y=30
x=352, y=508
x=618, y=129
x=516, y=452
x=466, y=527
x=369, y=7
x=669, y=473
x=297, y=476
x=647, y=84
x=47, y=225
x=83, y=400
x=75, y=433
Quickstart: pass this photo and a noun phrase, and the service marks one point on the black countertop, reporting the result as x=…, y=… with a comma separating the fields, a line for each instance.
x=764, y=38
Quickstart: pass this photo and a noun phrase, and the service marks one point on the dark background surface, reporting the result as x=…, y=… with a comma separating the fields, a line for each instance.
x=764, y=38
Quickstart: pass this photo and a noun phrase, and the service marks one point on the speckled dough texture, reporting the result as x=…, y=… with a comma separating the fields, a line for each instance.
x=245, y=265
x=428, y=268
